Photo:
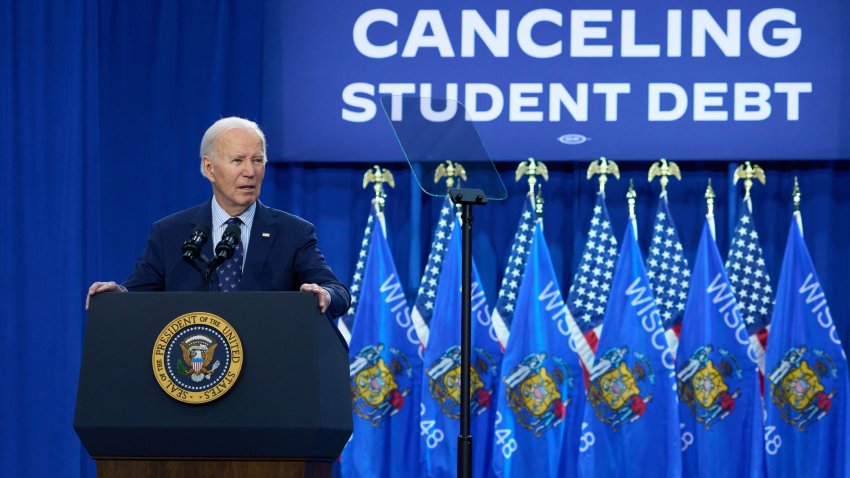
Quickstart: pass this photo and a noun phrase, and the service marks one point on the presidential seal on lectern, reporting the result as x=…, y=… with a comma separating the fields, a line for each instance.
x=197, y=357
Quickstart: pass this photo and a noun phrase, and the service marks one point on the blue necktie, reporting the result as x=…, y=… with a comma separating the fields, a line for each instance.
x=230, y=271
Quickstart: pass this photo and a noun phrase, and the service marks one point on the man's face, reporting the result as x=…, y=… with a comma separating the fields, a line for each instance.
x=236, y=169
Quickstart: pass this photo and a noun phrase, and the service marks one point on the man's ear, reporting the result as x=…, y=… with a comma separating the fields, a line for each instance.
x=208, y=168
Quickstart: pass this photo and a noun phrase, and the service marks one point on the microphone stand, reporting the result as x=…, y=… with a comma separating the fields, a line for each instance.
x=206, y=276
x=223, y=251
x=212, y=265
x=217, y=260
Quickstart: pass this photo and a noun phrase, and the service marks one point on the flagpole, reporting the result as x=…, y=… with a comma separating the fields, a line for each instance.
x=797, y=197
x=466, y=198
x=631, y=198
x=709, y=202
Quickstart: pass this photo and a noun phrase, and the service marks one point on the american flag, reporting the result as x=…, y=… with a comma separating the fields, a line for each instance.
x=423, y=308
x=592, y=283
x=749, y=277
x=503, y=313
x=668, y=272
x=346, y=322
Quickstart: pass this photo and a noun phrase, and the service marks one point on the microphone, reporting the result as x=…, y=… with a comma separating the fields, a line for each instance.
x=229, y=240
x=192, y=246
x=223, y=251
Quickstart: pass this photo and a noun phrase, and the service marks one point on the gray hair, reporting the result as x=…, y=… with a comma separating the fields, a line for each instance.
x=222, y=126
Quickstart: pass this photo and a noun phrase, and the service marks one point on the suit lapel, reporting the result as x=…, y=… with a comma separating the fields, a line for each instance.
x=262, y=238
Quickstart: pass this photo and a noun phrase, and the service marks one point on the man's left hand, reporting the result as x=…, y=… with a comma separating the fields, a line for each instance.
x=321, y=293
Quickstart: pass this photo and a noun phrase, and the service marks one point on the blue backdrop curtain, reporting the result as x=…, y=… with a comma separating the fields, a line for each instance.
x=50, y=210
x=103, y=107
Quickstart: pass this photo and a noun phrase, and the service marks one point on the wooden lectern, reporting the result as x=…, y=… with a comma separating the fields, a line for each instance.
x=287, y=415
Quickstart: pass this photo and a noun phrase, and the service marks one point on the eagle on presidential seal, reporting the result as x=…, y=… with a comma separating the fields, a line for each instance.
x=444, y=381
x=380, y=378
x=198, y=351
x=537, y=392
x=705, y=384
x=799, y=389
x=619, y=385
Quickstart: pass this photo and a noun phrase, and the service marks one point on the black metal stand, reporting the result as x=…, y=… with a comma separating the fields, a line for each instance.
x=212, y=265
x=466, y=198
x=206, y=274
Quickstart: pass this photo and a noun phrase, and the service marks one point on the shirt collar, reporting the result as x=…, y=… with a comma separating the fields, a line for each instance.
x=220, y=216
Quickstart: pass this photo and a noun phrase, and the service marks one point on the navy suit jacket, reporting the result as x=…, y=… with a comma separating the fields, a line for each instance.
x=282, y=255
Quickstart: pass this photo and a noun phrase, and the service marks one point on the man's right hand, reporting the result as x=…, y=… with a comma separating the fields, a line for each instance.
x=99, y=287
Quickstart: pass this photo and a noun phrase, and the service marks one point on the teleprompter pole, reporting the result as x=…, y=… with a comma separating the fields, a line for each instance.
x=466, y=198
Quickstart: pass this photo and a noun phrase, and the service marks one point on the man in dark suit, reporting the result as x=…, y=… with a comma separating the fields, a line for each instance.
x=279, y=249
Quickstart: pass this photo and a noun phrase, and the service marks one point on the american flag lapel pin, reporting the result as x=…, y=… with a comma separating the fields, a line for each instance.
x=266, y=234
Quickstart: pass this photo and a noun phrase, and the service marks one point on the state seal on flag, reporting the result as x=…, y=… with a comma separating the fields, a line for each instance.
x=705, y=384
x=798, y=386
x=619, y=385
x=444, y=381
x=197, y=358
x=537, y=392
x=380, y=379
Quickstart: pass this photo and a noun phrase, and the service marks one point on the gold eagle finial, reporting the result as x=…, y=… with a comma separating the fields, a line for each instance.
x=449, y=170
x=379, y=176
x=748, y=172
x=664, y=169
x=603, y=168
x=532, y=169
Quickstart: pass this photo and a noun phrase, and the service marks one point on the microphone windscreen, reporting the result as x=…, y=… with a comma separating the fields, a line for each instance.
x=203, y=229
x=232, y=230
